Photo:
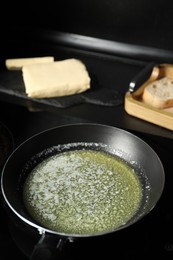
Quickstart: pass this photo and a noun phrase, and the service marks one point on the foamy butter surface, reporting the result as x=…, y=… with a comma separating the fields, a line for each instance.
x=82, y=192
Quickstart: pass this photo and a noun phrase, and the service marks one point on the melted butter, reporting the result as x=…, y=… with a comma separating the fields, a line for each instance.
x=82, y=192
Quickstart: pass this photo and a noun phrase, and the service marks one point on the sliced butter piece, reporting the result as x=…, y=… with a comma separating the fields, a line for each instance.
x=59, y=78
x=17, y=64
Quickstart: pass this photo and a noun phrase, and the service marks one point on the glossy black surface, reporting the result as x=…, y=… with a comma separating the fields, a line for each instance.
x=150, y=237
x=141, y=22
x=110, y=72
x=6, y=143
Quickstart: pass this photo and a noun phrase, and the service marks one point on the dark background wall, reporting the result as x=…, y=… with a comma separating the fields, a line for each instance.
x=143, y=22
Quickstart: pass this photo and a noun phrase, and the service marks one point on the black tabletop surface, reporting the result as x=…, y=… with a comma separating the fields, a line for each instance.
x=151, y=236
x=103, y=103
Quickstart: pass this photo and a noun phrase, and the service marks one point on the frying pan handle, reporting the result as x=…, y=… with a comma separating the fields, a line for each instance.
x=47, y=248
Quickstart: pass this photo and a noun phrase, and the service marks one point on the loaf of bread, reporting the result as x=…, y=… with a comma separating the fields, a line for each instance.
x=159, y=93
x=55, y=79
x=17, y=64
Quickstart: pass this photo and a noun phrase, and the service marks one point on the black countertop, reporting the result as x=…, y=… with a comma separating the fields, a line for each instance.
x=25, y=122
x=109, y=72
x=25, y=118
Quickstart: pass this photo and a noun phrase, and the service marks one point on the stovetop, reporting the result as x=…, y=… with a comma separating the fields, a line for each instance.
x=151, y=236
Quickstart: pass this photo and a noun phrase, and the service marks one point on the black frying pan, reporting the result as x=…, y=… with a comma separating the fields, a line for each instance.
x=132, y=149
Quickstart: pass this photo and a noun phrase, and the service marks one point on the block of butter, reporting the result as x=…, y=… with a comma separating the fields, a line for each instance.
x=17, y=64
x=55, y=79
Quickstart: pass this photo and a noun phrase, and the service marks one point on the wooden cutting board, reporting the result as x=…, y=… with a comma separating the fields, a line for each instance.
x=136, y=107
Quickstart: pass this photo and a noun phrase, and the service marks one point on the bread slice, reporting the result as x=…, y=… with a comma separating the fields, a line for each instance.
x=55, y=79
x=159, y=93
x=17, y=64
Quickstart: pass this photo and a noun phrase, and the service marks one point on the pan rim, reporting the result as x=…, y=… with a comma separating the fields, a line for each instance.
x=42, y=229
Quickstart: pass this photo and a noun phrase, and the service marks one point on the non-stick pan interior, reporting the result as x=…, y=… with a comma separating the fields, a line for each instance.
x=114, y=140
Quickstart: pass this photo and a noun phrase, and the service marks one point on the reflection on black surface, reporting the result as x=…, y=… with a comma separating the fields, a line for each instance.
x=6, y=143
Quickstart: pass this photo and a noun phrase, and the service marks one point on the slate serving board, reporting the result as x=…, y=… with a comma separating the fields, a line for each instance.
x=11, y=83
